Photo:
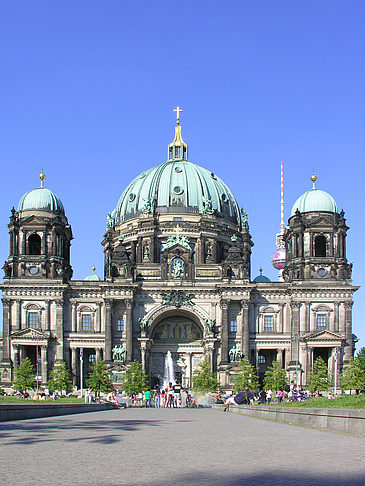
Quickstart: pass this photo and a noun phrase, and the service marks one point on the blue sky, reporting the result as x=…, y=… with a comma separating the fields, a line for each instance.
x=88, y=89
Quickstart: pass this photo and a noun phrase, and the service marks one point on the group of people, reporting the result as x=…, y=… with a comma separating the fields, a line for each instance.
x=172, y=396
x=290, y=392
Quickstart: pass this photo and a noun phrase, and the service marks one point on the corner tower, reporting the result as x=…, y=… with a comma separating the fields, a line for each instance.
x=40, y=238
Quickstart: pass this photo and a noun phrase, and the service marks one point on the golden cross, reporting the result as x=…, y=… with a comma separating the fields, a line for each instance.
x=178, y=110
x=178, y=230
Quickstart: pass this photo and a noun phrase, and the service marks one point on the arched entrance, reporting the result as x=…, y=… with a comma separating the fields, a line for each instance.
x=182, y=334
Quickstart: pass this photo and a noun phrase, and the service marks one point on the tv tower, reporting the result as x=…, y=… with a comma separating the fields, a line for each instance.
x=278, y=259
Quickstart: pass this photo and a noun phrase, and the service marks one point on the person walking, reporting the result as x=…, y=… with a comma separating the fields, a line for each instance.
x=157, y=398
x=262, y=396
x=269, y=395
x=147, y=397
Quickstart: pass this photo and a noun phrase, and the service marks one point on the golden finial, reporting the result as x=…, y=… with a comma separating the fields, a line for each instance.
x=93, y=269
x=313, y=179
x=178, y=110
x=42, y=176
x=261, y=270
x=178, y=229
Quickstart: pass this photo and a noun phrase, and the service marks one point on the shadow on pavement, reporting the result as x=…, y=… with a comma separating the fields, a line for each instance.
x=29, y=432
x=275, y=479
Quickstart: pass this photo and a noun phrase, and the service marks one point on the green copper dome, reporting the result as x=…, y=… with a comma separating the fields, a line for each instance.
x=41, y=199
x=314, y=200
x=177, y=186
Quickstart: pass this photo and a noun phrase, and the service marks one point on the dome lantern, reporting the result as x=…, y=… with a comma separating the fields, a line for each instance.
x=178, y=149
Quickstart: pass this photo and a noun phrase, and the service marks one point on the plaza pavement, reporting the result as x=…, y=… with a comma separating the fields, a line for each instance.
x=174, y=447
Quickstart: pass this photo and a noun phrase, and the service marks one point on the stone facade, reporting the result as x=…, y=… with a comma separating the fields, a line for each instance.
x=176, y=279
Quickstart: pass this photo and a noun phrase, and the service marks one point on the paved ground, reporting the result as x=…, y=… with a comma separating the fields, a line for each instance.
x=167, y=447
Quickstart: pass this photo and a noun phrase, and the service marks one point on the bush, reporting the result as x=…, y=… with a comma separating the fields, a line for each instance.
x=135, y=378
x=99, y=380
x=204, y=379
x=60, y=378
x=319, y=379
x=24, y=376
x=245, y=377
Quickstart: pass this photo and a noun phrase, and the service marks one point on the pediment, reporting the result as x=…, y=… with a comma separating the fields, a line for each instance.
x=30, y=334
x=321, y=221
x=175, y=246
x=324, y=335
x=33, y=220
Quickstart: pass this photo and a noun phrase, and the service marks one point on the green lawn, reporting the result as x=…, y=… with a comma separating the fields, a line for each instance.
x=21, y=401
x=353, y=401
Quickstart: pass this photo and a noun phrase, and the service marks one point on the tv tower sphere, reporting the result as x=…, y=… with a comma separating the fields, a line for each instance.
x=278, y=259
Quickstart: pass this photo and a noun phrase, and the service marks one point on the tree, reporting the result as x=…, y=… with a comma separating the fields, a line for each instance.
x=319, y=379
x=275, y=377
x=361, y=358
x=353, y=376
x=135, y=378
x=204, y=379
x=60, y=378
x=245, y=377
x=99, y=379
x=24, y=376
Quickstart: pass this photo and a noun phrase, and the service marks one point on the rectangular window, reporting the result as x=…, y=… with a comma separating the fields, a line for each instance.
x=268, y=323
x=321, y=321
x=233, y=326
x=120, y=325
x=92, y=358
x=86, y=322
x=177, y=218
x=262, y=359
x=33, y=320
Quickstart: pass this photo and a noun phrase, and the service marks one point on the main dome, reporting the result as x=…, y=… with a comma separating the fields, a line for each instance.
x=177, y=186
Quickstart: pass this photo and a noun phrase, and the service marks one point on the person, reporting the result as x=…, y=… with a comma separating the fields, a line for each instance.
x=88, y=396
x=140, y=399
x=269, y=395
x=111, y=397
x=147, y=397
x=170, y=395
x=219, y=398
x=280, y=395
x=262, y=396
x=177, y=394
x=241, y=398
x=157, y=398
x=163, y=398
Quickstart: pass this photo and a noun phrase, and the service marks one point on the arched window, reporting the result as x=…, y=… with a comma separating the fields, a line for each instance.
x=320, y=246
x=34, y=244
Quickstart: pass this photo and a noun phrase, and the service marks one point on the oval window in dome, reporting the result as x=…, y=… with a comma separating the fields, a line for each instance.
x=178, y=190
x=132, y=197
x=223, y=197
x=178, y=169
x=212, y=175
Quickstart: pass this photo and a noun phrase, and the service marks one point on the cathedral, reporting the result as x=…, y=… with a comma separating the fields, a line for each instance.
x=177, y=277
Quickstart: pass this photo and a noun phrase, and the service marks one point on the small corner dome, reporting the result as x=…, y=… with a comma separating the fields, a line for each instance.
x=261, y=278
x=93, y=278
x=314, y=200
x=41, y=199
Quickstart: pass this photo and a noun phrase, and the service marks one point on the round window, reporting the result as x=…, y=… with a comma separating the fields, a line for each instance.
x=178, y=169
x=33, y=270
x=132, y=197
x=178, y=190
x=321, y=272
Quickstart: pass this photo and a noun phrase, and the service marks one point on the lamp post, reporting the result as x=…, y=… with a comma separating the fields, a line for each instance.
x=335, y=380
x=35, y=337
x=81, y=371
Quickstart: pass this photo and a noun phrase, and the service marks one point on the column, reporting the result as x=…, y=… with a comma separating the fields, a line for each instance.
x=108, y=329
x=44, y=364
x=16, y=356
x=245, y=343
x=294, y=354
x=99, y=354
x=74, y=364
x=74, y=317
x=336, y=317
x=306, y=326
x=129, y=330
x=47, y=319
x=18, y=315
x=224, y=331
x=59, y=329
x=143, y=353
x=279, y=357
x=6, y=330
x=98, y=318
x=348, y=331
x=257, y=358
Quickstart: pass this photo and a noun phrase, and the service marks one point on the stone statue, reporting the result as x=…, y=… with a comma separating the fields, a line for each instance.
x=149, y=206
x=244, y=215
x=235, y=354
x=143, y=324
x=210, y=324
x=178, y=269
x=118, y=353
x=109, y=221
x=207, y=205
